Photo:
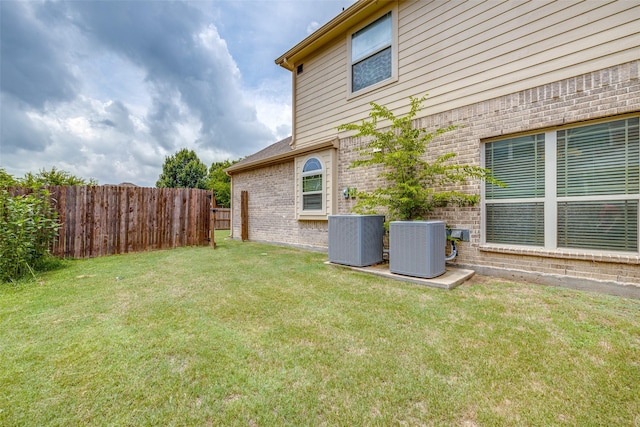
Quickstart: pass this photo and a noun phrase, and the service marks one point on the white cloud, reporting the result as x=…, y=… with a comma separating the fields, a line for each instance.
x=273, y=105
x=109, y=89
x=314, y=25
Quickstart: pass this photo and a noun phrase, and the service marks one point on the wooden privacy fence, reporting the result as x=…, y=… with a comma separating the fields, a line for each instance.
x=223, y=218
x=106, y=220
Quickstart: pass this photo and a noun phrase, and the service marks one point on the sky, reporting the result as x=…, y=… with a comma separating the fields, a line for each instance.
x=109, y=89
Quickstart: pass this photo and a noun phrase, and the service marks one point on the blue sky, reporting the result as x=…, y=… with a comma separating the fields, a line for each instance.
x=108, y=89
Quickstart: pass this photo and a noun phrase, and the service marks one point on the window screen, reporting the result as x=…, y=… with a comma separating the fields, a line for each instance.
x=371, y=55
x=608, y=225
x=519, y=163
x=516, y=223
x=597, y=161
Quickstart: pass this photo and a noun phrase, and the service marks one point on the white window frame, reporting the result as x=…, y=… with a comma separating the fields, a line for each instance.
x=394, y=54
x=322, y=192
x=551, y=200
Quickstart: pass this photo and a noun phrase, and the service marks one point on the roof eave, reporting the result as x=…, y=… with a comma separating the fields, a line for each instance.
x=334, y=28
x=279, y=158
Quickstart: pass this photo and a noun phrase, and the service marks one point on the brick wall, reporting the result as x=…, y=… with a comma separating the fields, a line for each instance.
x=595, y=95
x=271, y=192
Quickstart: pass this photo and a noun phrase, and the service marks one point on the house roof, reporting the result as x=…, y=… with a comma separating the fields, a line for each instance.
x=277, y=153
x=337, y=27
x=274, y=150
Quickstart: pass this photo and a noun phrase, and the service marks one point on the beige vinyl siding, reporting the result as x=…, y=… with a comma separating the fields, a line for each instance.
x=322, y=84
x=324, y=81
x=464, y=52
x=524, y=56
x=321, y=95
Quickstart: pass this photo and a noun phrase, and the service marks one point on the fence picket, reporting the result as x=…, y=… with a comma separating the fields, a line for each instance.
x=223, y=219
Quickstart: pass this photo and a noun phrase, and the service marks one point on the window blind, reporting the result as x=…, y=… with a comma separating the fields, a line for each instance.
x=610, y=225
x=518, y=162
x=601, y=159
x=371, y=38
x=312, y=202
x=515, y=223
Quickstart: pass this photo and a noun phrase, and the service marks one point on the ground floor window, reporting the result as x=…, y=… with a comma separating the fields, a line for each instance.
x=314, y=188
x=312, y=194
x=575, y=188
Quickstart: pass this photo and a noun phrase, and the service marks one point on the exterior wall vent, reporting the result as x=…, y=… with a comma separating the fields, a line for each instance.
x=356, y=240
x=417, y=248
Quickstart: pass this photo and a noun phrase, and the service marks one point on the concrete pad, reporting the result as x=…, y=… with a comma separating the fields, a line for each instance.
x=450, y=279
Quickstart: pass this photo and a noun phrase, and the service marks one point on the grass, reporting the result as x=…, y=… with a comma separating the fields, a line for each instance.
x=252, y=334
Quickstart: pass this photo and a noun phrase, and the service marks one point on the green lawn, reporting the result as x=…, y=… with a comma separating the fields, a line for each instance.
x=251, y=334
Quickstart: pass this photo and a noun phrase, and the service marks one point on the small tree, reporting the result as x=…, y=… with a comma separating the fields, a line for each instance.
x=220, y=183
x=414, y=186
x=183, y=170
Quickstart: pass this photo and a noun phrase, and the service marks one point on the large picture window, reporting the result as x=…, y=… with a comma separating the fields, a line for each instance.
x=372, y=53
x=574, y=188
x=312, y=179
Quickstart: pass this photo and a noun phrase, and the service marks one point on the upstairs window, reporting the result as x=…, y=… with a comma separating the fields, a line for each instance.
x=312, y=178
x=372, y=53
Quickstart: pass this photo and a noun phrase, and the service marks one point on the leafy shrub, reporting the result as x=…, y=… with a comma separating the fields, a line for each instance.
x=54, y=176
x=412, y=187
x=28, y=227
x=6, y=179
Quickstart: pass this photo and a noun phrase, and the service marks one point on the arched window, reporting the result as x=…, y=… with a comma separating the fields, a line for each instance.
x=312, y=178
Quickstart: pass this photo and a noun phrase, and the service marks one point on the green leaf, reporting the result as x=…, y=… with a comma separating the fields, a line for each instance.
x=413, y=187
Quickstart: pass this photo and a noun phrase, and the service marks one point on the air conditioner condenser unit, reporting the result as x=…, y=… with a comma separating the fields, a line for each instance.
x=417, y=248
x=356, y=240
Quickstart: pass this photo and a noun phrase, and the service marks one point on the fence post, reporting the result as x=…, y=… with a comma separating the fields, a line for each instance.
x=244, y=215
x=212, y=221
